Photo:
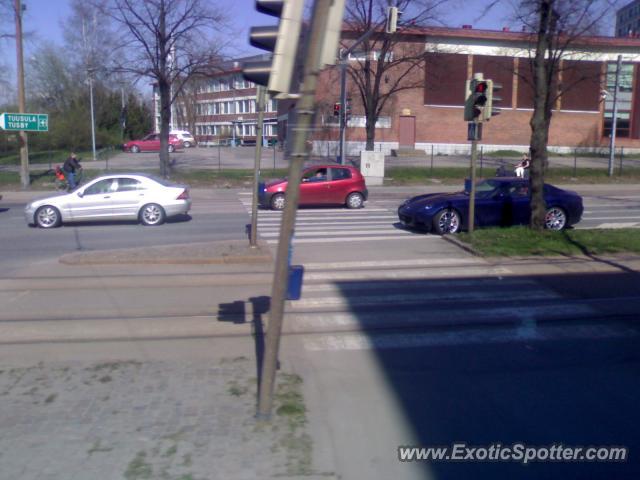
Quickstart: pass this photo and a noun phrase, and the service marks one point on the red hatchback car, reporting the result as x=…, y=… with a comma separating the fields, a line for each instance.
x=151, y=143
x=321, y=185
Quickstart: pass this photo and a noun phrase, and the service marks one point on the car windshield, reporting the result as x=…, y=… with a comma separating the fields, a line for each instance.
x=484, y=188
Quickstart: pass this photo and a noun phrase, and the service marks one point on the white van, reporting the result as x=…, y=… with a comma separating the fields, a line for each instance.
x=187, y=139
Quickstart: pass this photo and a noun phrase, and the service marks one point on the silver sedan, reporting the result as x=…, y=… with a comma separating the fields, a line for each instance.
x=112, y=197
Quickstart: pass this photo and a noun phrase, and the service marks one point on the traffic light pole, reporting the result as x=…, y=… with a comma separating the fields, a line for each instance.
x=253, y=237
x=305, y=114
x=472, y=191
x=343, y=107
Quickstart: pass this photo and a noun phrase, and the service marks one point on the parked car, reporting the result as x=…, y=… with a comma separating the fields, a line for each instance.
x=151, y=143
x=139, y=197
x=321, y=185
x=500, y=201
x=188, y=140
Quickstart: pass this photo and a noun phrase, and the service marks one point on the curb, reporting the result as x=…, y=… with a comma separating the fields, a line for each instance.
x=210, y=253
x=464, y=246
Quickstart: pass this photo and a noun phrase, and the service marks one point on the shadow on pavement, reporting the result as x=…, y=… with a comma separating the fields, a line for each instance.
x=505, y=360
x=253, y=311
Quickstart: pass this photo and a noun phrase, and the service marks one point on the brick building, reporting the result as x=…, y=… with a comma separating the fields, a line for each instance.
x=433, y=114
x=223, y=109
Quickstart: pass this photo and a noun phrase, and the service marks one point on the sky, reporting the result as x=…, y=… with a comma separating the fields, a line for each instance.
x=44, y=19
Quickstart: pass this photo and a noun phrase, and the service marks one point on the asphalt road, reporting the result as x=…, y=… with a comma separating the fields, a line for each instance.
x=216, y=215
x=401, y=338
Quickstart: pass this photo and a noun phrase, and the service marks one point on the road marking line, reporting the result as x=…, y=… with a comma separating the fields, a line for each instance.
x=618, y=225
x=354, y=239
x=413, y=274
x=393, y=263
x=358, y=341
x=332, y=229
x=341, y=213
x=397, y=299
x=343, y=220
x=611, y=218
x=299, y=234
x=368, y=286
x=338, y=224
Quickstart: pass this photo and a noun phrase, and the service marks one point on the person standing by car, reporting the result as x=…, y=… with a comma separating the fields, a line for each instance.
x=70, y=167
x=523, y=165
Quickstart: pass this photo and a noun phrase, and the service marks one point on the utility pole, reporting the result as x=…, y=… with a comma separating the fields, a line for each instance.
x=614, y=119
x=253, y=241
x=305, y=114
x=24, y=145
x=123, y=117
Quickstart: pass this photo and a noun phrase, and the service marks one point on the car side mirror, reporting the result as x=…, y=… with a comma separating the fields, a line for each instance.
x=80, y=193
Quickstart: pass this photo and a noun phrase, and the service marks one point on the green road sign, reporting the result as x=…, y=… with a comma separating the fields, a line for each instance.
x=28, y=122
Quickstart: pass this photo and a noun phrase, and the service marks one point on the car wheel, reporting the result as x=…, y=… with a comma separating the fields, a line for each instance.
x=48, y=217
x=446, y=221
x=171, y=149
x=277, y=201
x=187, y=144
x=355, y=200
x=555, y=219
x=152, y=214
x=135, y=149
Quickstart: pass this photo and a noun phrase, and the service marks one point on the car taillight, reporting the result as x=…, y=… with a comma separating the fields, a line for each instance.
x=184, y=195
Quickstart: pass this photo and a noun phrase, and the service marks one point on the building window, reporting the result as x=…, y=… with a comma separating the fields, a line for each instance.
x=243, y=106
x=625, y=95
x=374, y=55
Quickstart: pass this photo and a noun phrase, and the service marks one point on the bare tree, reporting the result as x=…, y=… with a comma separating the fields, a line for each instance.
x=167, y=41
x=557, y=26
x=88, y=36
x=385, y=66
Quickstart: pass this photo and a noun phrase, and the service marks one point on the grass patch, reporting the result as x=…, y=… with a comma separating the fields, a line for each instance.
x=225, y=177
x=521, y=241
x=56, y=157
x=456, y=175
x=503, y=153
x=237, y=390
x=138, y=468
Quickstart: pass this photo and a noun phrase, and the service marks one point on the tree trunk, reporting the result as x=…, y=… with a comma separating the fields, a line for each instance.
x=541, y=118
x=371, y=132
x=165, y=117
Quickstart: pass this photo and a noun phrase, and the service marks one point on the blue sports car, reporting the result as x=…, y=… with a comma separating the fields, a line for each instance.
x=500, y=201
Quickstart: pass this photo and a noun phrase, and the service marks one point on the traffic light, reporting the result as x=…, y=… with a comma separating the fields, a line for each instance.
x=282, y=40
x=332, y=33
x=336, y=109
x=347, y=113
x=392, y=20
x=476, y=100
x=489, y=111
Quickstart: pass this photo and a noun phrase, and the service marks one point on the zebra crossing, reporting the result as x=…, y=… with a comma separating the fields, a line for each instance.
x=417, y=303
x=621, y=211
x=334, y=225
